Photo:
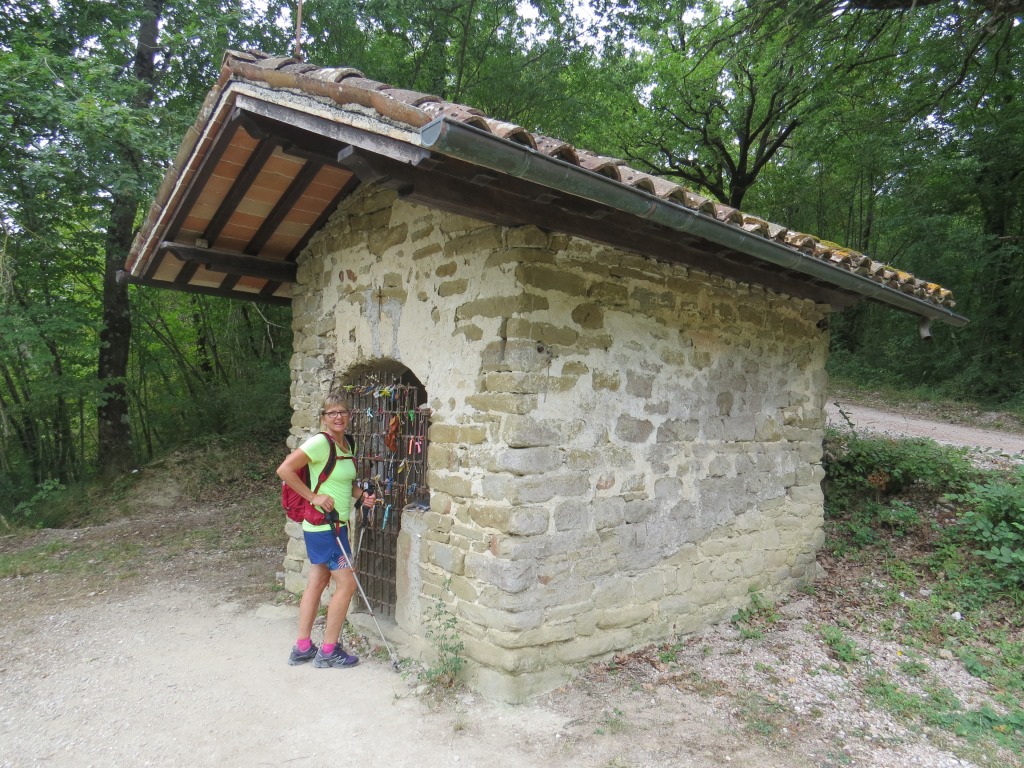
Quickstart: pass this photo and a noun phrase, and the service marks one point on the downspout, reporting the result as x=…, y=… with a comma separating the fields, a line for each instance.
x=472, y=145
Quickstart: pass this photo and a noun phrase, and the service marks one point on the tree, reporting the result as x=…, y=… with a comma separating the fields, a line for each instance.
x=510, y=60
x=98, y=96
x=720, y=103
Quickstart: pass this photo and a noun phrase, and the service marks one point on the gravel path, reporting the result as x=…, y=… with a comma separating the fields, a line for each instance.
x=902, y=425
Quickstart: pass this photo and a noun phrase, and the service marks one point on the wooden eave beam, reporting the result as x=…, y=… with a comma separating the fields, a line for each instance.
x=222, y=292
x=231, y=262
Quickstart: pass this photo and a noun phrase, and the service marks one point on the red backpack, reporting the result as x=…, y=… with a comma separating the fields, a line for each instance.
x=296, y=507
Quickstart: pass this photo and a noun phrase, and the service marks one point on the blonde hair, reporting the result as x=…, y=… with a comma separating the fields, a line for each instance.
x=335, y=399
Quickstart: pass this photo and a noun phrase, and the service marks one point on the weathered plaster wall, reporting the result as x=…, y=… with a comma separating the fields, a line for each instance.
x=619, y=450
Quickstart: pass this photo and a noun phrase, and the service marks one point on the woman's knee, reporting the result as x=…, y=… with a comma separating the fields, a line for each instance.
x=345, y=582
x=319, y=577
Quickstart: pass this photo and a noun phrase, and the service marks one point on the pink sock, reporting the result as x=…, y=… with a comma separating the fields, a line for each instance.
x=327, y=649
x=303, y=644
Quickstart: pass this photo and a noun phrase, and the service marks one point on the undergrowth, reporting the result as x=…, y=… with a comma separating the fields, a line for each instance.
x=947, y=540
x=441, y=630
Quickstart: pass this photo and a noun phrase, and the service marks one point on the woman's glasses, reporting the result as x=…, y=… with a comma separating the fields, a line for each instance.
x=335, y=414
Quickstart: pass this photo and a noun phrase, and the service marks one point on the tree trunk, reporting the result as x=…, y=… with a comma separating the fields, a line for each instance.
x=114, y=430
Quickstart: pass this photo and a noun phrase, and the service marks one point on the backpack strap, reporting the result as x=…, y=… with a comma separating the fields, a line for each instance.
x=332, y=459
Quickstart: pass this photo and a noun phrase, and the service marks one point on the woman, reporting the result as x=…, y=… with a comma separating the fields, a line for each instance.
x=327, y=558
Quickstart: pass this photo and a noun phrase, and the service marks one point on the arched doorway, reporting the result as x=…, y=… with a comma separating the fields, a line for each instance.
x=390, y=418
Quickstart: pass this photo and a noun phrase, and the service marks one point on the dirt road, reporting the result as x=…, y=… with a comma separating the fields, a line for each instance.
x=902, y=425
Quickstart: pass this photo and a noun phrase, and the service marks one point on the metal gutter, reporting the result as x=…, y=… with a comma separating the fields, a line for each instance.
x=473, y=145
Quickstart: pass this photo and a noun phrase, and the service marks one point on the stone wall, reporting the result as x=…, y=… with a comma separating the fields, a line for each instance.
x=619, y=451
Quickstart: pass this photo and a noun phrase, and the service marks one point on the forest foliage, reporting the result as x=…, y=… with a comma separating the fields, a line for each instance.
x=896, y=129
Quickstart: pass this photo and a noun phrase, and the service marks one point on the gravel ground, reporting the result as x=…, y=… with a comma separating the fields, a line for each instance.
x=176, y=655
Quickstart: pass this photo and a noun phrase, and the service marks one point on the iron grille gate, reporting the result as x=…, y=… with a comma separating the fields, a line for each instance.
x=390, y=429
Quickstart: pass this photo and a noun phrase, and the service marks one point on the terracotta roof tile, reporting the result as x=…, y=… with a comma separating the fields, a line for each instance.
x=416, y=109
x=605, y=166
x=728, y=214
x=512, y=132
x=467, y=115
x=334, y=74
x=557, y=149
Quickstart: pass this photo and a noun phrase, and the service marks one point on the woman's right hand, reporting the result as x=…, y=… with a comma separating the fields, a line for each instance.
x=323, y=501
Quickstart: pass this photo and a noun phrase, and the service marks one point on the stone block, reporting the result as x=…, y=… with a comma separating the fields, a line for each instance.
x=506, y=575
x=525, y=461
x=561, y=611
x=624, y=616
x=528, y=521
x=529, y=432
x=639, y=384
x=673, y=606
x=649, y=586
x=452, y=288
x=526, y=237
x=426, y=251
x=609, y=294
x=490, y=516
x=608, y=513
x=453, y=485
x=592, y=647
x=458, y=434
x=613, y=592
x=550, y=278
x=571, y=515
x=503, y=403
x=464, y=589
x=588, y=315
x=474, y=243
x=599, y=341
x=608, y=381
x=546, y=634
x=382, y=239
x=501, y=306
x=633, y=430
x=470, y=331
x=532, y=490
x=294, y=582
x=639, y=511
x=811, y=494
x=437, y=521
x=518, y=255
x=449, y=559
x=516, y=382
x=515, y=689
x=535, y=331
x=502, y=621
x=296, y=548
x=509, y=660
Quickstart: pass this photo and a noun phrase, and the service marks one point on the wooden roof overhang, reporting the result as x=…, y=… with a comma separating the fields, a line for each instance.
x=265, y=167
x=270, y=176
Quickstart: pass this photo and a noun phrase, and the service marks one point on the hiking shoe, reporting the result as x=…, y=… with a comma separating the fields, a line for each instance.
x=301, y=657
x=339, y=658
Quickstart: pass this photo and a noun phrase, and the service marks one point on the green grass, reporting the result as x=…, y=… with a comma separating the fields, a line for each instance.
x=70, y=557
x=755, y=617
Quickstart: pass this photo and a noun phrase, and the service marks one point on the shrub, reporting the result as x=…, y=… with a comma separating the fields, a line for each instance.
x=994, y=521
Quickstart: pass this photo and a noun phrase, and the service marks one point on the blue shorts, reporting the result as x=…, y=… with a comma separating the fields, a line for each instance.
x=322, y=548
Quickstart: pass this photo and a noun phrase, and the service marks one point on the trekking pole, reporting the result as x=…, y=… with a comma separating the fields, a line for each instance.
x=366, y=600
